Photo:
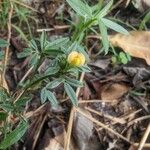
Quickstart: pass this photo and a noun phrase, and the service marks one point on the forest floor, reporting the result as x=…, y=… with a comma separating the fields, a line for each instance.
x=114, y=104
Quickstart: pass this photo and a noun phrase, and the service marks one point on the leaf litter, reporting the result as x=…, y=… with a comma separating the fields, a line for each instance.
x=106, y=83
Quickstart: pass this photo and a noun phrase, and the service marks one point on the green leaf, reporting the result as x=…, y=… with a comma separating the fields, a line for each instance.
x=22, y=101
x=105, y=10
x=104, y=35
x=51, y=97
x=70, y=92
x=128, y=56
x=114, y=26
x=3, y=43
x=56, y=44
x=47, y=95
x=34, y=59
x=123, y=58
x=7, y=107
x=15, y=135
x=84, y=68
x=43, y=95
x=20, y=32
x=33, y=45
x=73, y=82
x=53, y=53
x=3, y=95
x=1, y=55
x=54, y=83
x=52, y=70
x=43, y=40
x=81, y=8
x=73, y=46
x=26, y=52
x=3, y=116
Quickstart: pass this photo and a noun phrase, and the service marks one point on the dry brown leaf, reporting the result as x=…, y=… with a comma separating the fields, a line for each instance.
x=137, y=44
x=114, y=91
x=142, y=5
x=57, y=143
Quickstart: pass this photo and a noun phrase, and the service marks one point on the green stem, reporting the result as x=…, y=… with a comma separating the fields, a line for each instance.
x=81, y=30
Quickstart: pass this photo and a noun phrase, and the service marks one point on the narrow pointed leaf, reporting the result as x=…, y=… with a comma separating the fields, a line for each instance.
x=14, y=136
x=114, y=26
x=104, y=35
x=70, y=92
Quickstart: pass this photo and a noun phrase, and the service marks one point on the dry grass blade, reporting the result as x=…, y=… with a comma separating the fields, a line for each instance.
x=3, y=82
x=57, y=27
x=70, y=124
x=24, y=5
x=98, y=101
x=114, y=119
x=144, y=138
x=138, y=119
x=102, y=125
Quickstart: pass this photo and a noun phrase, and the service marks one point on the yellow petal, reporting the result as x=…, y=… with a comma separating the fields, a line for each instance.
x=76, y=59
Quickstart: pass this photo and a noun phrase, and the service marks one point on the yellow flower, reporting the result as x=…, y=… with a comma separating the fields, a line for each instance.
x=76, y=59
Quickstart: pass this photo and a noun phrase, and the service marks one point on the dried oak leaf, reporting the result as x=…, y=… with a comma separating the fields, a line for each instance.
x=137, y=44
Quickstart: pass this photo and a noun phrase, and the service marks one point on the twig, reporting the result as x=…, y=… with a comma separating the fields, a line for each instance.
x=56, y=27
x=97, y=101
x=114, y=119
x=102, y=125
x=8, y=40
x=24, y=5
x=116, y=5
x=146, y=145
x=138, y=119
x=144, y=138
x=27, y=73
x=70, y=124
x=21, y=93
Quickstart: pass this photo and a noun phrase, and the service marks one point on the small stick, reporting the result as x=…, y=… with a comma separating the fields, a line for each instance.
x=146, y=145
x=24, y=5
x=27, y=73
x=57, y=27
x=97, y=101
x=70, y=124
x=138, y=119
x=114, y=119
x=144, y=138
x=102, y=125
x=8, y=40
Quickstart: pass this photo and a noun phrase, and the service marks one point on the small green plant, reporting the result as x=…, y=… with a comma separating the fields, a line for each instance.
x=66, y=58
x=90, y=17
x=66, y=61
x=21, y=14
x=121, y=58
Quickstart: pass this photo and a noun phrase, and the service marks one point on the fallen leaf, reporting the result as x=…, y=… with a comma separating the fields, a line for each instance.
x=137, y=44
x=141, y=5
x=138, y=74
x=56, y=143
x=82, y=131
x=113, y=91
x=101, y=63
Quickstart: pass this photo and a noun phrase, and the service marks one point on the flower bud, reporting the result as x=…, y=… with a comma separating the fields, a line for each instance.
x=76, y=59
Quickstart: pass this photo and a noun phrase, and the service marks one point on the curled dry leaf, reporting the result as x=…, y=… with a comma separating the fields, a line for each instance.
x=82, y=131
x=137, y=44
